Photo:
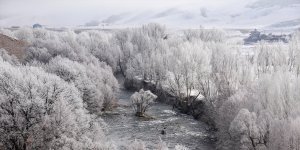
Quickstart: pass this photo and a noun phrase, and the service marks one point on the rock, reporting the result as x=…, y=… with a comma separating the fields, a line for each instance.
x=163, y=132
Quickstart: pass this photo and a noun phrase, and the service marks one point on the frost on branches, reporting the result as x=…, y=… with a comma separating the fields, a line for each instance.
x=141, y=101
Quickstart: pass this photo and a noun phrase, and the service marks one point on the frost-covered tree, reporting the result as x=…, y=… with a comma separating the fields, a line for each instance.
x=271, y=57
x=101, y=45
x=244, y=131
x=95, y=81
x=294, y=53
x=8, y=58
x=141, y=101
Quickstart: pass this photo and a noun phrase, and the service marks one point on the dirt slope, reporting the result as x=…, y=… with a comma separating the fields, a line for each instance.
x=13, y=46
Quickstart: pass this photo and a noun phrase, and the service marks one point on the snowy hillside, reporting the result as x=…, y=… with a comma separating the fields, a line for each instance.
x=258, y=14
x=274, y=14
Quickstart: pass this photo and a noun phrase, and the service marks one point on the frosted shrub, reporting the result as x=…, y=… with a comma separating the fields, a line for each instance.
x=141, y=101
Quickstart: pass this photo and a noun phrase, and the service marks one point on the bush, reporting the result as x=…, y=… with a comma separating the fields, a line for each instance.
x=141, y=101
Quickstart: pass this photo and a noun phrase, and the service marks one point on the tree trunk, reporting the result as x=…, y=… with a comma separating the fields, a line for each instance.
x=139, y=111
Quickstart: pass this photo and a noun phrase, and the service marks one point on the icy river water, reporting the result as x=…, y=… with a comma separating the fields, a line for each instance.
x=124, y=127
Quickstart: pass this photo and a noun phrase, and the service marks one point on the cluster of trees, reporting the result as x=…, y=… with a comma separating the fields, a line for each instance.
x=39, y=110
x=263, y=112
x=253, y=98
x=52, y=97
x=72, y=57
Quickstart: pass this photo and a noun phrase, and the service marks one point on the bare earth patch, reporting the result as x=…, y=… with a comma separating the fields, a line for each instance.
x=13, y=46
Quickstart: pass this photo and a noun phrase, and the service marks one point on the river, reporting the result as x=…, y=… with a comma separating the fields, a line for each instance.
x=124, y=127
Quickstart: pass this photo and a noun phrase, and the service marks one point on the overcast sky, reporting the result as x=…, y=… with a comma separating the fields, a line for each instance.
x=78, y=12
